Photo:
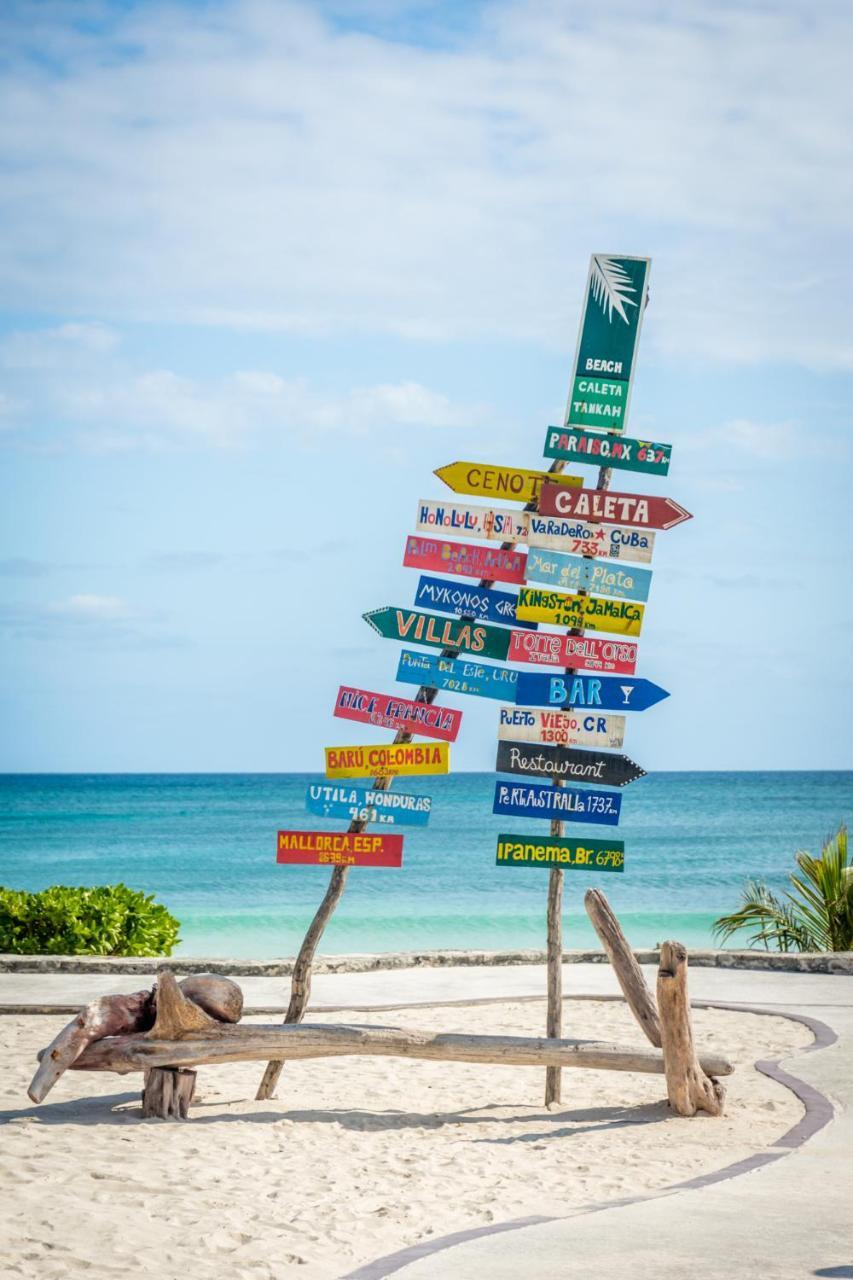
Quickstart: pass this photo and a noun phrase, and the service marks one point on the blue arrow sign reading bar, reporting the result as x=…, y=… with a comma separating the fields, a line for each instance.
x=609, y=693
x=541, y=800
x=457, y=675
x=481, y=603
x=576, y=573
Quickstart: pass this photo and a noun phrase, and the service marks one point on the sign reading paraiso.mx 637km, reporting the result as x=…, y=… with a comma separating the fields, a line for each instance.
x=607, y=342
x=608, y=451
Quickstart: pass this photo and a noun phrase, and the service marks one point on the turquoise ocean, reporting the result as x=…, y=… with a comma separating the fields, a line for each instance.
x=205, y=845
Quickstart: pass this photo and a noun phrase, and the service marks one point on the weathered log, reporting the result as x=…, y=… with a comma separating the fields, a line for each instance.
x=628, y=973
x=108, y=1016
x=246, y=1043
x=220, y=997
x=176, y=1015
x=168, y=1093
x=554, y=967
x=687, y=1078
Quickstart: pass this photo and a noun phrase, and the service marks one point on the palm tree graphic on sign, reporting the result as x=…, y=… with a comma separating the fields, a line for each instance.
x=610, y=285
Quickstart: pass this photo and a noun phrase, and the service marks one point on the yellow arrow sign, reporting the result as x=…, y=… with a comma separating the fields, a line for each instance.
x=515, y=483
x=623, y=617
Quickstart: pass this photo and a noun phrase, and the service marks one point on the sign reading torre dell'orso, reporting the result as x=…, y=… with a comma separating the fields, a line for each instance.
x=609, y=333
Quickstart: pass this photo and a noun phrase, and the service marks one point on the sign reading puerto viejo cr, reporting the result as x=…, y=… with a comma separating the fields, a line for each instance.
x=622, y=617
x=389, y=761
x=608, y=451
x=571, y=728
x=391, y=712
x=635, y=510
x=578, y=573
x=490, y=564
x=339, y=849
x=557, y=851
x=517, y=483
x=547, y=648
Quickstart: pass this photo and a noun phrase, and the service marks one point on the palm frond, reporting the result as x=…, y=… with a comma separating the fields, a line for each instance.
x=610, y=286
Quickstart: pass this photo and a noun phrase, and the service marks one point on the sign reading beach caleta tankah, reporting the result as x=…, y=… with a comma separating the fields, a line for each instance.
x=389, y=761
x=442, y=633
x=339, y=849
x=516, y=483
x=391, y=712
x=609, y=451
x=556, y=851
x=623, y=617
x=607, y=342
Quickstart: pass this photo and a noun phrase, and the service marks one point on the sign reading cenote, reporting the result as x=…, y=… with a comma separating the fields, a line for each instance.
x=556, y=851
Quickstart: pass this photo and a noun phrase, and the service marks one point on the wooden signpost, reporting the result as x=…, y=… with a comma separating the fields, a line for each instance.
x=367, y=804
x=575, y=652
x=441, y=633
x=605, y=693
x=567, y=764
x=614, y=542
x=515, y=483
x=391, y=712
x=484, y=604
x=539, y=800
x=457, y=675
x=608, y=451
x=621, y=617
x=491, y=564
x=633, y=510
x=389, y=761
x=578, y=573
x=462, y=520
x=568, y=855
x=569, y=727
x=339, y=849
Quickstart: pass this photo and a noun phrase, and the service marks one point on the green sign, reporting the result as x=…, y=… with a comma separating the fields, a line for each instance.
x=608, y=451
x=567, y=855
x=462, y=635
x=607, y=343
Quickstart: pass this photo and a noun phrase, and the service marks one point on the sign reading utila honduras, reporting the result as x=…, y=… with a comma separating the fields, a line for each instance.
x=364, y=804
x=607, y=342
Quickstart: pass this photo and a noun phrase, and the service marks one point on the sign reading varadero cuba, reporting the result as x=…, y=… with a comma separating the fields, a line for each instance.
x=565, y=804
x=492, y=564
x=548, y=648
x=365, y=804
x=501, y=482
x=571, y=728
x=457, y=675
x=608, y=451
x=389, y=761
x=391, y=712
x=339, y=849
x=577, y=573
x=605, y=693
x=622, y=617
x=556, y=851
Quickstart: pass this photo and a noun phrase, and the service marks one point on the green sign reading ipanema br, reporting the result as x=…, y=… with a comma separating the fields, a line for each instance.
x=607, y=343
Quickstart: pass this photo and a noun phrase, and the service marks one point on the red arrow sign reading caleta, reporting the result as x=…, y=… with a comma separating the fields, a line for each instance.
x=637, y=509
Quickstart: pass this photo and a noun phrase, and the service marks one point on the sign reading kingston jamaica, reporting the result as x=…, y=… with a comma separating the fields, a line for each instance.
x=638, y=510
x=457, y=675
x=577, y=573
x=491, y=564
x=571, y=728
x=362, y=804
x=391, y=712
x=624, y=617
x=389, y=761
x=608, y=451
x=339, y=849
x=607, y=342
x=607, y=693
x=546, y=648
x=484, y=604
x=516, y=483
x=566, y=804
x=443, y=633
x=568, y=763
x=557, y=851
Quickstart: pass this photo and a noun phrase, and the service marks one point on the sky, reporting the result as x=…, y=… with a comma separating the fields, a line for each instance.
x=265, y=266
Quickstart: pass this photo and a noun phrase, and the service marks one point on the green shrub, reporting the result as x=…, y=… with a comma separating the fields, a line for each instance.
x=107, y=920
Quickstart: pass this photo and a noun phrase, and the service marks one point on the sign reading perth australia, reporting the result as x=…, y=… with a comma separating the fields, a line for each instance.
x=607, y=342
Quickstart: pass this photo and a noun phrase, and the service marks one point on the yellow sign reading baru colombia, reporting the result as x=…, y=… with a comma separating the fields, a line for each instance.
x=516, y=483
x=622, y=617
x=388, y=761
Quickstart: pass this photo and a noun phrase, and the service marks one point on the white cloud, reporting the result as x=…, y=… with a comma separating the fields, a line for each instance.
x=251, y=165
x=92, y=608
x=63, y=346
x=763, y=441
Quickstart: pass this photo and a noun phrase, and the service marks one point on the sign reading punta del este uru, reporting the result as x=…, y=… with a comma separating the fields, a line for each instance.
x=457, y=675
x=607, y=342
x=628, y=509
x=492, y=564
x=363, y=804
x=339, y=849
x=542, y=800
x=608, y=451
x=568, y=763
x=605, y=693
x=391, y=712
x=623, y=617
x=546, y=648
x=442, y=633
x=390, y=761
x=484, y=604
x=516, y=483
x=577, y=573
x=557, y=851
x=571, y=728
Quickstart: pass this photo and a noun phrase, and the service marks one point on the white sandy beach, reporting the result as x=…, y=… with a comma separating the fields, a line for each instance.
x=356, y=1157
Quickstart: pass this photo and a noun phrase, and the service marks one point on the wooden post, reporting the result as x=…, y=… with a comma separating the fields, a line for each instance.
x=168, y=1093
x=628, y=973
x=688, y=1087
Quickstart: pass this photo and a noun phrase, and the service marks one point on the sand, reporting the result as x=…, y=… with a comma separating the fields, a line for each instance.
x=356, y=1157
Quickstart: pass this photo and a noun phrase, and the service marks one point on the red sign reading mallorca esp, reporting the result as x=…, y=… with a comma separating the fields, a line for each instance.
x=488, y=564
x=391, y=712
x=638, y=509
x=339, y=849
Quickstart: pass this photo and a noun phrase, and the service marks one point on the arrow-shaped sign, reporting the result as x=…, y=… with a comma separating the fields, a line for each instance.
x=603, y=693
x=636, y=510
x=579, y=573
x=550, y=649
x=458, y=675
x=573, y=445
x=570, y=728
x=467, y=601
x=565, y=762
x=538, y=604
x=442, y=633
x=557, y=851
x=516, y=483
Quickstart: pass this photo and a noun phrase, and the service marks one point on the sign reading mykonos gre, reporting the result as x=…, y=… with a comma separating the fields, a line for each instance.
x=607, y=342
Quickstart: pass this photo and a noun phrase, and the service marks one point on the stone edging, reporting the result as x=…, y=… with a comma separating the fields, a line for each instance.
x=818, y=1112
x=829, y=962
